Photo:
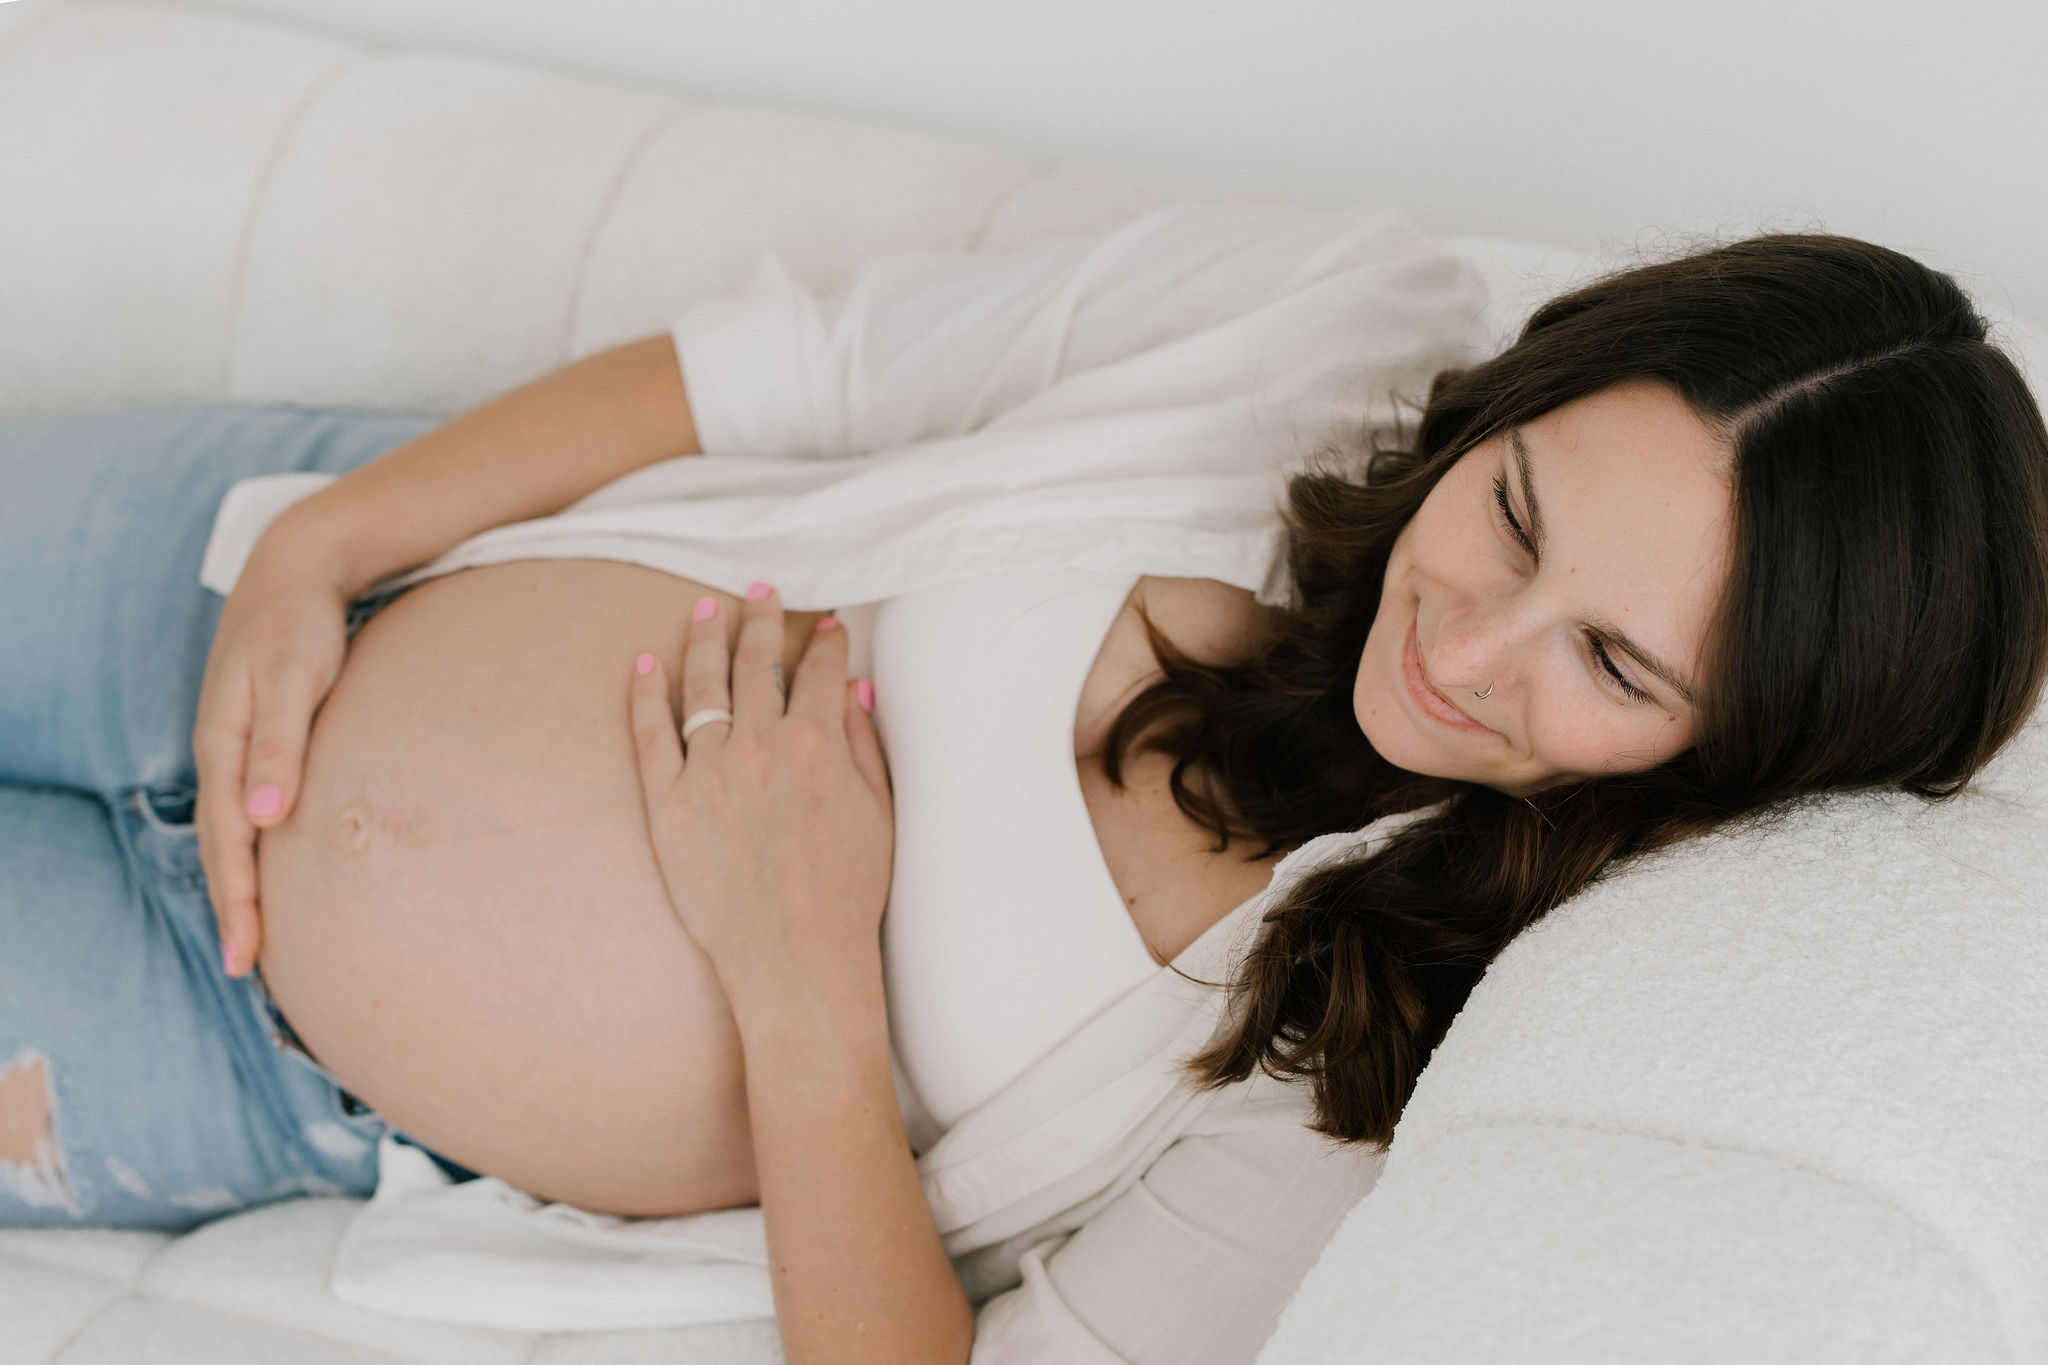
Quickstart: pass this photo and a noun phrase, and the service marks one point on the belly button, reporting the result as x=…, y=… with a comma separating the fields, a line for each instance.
x=364, y=823
x=357, y=824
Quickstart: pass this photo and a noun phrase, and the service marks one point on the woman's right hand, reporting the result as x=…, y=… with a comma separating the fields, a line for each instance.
x=284, y=629
x=276, y=653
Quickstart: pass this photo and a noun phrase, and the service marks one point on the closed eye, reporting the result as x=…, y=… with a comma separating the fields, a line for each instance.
x=1507, y=513
x=1606, y=663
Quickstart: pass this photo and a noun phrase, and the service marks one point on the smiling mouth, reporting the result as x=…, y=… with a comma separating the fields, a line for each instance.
x=1431, y=702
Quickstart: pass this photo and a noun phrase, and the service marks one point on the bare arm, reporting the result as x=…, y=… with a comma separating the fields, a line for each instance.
x=524, y=454
x=776, y=839
x=282, y=635
x=859, y=1271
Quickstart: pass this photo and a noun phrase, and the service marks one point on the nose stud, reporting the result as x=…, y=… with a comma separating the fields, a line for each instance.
x=1487, y=693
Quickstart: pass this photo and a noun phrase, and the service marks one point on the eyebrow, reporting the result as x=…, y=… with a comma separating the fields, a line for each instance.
x=1650, y=662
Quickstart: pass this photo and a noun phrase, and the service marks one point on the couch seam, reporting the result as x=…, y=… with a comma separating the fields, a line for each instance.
x=629, y=164
x=260, y=195
x=1933, y=1233
x=127, y=1292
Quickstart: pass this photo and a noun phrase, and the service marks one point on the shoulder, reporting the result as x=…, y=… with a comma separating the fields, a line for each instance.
x=1210, y=621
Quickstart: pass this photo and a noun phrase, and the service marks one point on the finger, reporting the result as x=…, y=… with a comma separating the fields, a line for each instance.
x=227, y=839
x=862, y=737
x=655, y=742
x=820, y=684
x=707, y=668
x=277, y=745
x=238, y=914
x=227, y=856
x=756, y=659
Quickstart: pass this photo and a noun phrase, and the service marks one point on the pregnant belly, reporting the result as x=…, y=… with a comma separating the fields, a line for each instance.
x=464, y=920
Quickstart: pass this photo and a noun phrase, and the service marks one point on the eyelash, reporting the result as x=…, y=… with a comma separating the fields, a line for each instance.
x=1599, y=647
x=1629, y=689
x=1500, y=496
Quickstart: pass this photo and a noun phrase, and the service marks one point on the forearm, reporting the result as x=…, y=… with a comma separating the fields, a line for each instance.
x=524, y=454
x=859, y=1271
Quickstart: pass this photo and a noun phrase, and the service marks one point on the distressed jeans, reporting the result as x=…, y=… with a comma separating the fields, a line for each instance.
x=149, y=1089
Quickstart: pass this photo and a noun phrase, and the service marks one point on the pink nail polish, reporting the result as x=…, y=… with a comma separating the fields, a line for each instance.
x=227, y=956
x=828, y=623
x=864, y=693
x=706, y=608
x=267, y=799
x=758, y=591
x=644, y=665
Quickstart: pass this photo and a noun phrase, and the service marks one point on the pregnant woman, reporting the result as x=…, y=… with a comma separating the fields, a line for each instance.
x=1768, y=520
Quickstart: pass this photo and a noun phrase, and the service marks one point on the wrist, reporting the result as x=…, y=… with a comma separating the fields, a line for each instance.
x=783, y=1007
x=303, y=542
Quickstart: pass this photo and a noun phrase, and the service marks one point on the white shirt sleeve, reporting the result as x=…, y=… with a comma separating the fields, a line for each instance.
x=1192, y=1264
x=928, y=345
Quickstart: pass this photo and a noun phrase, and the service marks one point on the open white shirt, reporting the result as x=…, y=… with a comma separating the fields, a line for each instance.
x=1129, y=401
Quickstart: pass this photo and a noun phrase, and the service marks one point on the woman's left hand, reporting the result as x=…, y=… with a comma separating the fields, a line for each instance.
x=775, y=836
x=775, y=832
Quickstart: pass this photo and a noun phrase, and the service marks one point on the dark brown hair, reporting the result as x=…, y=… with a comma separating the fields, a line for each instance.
x=1884, y=625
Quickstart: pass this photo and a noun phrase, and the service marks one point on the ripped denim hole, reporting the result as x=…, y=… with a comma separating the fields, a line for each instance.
x=32, y=1167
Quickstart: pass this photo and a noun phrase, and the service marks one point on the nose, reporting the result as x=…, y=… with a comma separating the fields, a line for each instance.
x=1476, y=646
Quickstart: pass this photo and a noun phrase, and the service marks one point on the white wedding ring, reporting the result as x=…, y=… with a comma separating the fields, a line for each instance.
x=707, y=716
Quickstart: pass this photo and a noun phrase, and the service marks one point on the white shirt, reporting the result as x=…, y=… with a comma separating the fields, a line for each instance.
x=1128, y=402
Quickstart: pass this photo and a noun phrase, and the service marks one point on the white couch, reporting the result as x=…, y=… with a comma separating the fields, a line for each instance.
x=1770, y=1098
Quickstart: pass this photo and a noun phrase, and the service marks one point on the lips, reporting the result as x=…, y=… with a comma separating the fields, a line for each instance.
x=1428, y=700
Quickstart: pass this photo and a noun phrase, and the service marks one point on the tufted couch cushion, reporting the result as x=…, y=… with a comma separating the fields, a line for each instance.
x=208, y=207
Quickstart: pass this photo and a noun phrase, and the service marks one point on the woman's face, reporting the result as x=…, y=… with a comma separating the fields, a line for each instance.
x=1586, y=645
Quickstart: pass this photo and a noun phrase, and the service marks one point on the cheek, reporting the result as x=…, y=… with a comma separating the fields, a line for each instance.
x=1381, y=655
x=1375, y=704
x=1587, y=737
x=1666, y=737
x=1369, y=685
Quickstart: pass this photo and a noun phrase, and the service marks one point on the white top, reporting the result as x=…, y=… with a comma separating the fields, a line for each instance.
x=1121, y=404
x=1005, y=931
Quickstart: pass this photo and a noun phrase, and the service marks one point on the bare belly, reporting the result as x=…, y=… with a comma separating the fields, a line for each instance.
x=464, y=920
x=463, y=917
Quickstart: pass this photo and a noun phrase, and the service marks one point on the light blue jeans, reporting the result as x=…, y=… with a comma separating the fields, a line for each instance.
x=176, y=1095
